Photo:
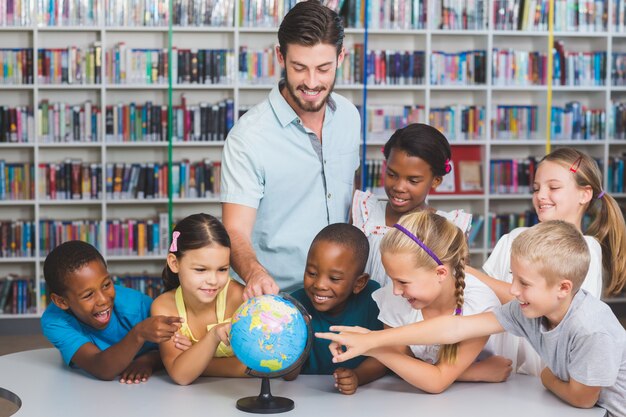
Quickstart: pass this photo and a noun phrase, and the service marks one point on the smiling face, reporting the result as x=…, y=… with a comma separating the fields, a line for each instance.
x=537, y=297
x=89, y=295
x=309, y=75
x=420, y=287
x=202, y=272
x=556, y=196
x=331, y=276
x=408, y=180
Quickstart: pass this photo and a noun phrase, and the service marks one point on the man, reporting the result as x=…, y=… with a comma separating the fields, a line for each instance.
x=289, y=162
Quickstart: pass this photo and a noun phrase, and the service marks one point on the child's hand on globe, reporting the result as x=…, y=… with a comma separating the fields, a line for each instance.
x=221, y=333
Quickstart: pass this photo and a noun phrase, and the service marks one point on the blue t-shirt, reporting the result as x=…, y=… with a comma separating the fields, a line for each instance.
x=68, y=334
x=361, y=310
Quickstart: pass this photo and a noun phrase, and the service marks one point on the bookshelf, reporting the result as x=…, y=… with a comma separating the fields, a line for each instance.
x=427, y=37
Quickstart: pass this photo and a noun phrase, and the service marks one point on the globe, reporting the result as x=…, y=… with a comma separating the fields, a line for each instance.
x=270, y=336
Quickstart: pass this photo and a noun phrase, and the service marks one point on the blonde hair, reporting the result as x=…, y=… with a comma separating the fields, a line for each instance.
x=607, y=224
x=557, y=249
x=446, y=241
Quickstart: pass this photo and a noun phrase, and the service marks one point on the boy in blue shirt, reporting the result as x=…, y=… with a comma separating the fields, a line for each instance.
x=102, y=328
x=338, y=292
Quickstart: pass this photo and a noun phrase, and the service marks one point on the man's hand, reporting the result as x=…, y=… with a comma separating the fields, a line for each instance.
x=258, y=284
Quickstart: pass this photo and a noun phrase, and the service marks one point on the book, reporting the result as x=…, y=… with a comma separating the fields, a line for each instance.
x=470, y=176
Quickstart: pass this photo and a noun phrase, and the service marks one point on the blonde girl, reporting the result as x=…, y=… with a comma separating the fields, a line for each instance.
x=424, y=256
x=198, y=289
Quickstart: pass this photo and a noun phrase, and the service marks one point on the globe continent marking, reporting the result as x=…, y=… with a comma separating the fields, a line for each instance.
x=268, y=333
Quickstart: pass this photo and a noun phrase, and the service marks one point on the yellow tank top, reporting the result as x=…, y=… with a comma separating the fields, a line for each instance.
x=222, y=350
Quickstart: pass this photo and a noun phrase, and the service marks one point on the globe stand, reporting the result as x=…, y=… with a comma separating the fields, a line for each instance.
x=265, y=403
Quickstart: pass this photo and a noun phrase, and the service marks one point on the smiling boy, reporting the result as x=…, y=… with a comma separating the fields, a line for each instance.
x=337, y=292
x=102, y=328
x=577, y=336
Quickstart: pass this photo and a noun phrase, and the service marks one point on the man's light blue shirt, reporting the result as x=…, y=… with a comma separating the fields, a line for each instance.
x=269, y=163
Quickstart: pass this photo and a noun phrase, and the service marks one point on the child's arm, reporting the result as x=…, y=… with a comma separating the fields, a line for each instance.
x=430, y=378
x=184, y=367
x=572, y=391
x=443, y=329
x=492, y=369
x=107, y=364
x=347, y=380
x=502, y=289
x=225, y=367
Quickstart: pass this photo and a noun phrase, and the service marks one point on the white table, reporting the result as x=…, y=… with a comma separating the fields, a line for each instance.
x=48, y=388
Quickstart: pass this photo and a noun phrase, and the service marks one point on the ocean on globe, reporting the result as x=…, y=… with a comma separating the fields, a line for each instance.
x=268, y=333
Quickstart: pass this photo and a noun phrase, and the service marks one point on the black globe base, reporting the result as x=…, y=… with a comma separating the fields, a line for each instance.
x=265, y=403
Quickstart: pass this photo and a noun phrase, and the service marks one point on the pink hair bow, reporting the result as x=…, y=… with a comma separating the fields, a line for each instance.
x=174, y=245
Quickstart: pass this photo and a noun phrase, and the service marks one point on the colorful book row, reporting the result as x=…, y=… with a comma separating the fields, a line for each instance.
x=511, y=176
x=17, y=124
x=71, y=65
x=149, y=180
x=71, y=179
x=17, y=295
x=63, y=122
x=17, y=239
x=16, y=181
x=569, y=15
x=137, y=237
x=54, y=232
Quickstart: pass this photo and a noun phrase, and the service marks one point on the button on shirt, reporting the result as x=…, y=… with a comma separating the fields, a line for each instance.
x=273, y=163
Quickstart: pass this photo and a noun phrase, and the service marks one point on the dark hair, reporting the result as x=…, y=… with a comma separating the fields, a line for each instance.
x=422, y=141
x=194, y=232
x=64, y=260
x=309, y=23
x=349, y=236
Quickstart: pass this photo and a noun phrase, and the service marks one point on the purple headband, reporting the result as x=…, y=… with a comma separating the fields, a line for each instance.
x=601, y=195
x=419, y=242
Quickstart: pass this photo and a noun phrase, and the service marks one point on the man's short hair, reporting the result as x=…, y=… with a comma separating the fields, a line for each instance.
x=557, y=249
x=309, y=23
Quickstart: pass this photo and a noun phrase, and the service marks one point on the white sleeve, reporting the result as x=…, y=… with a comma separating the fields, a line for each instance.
x=395, y=311
x=498, y=265
x=593, y=281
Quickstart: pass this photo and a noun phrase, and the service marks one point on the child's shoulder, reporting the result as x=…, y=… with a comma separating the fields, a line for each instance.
x=588, y=315
x=235, y=292
x=165, y=303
